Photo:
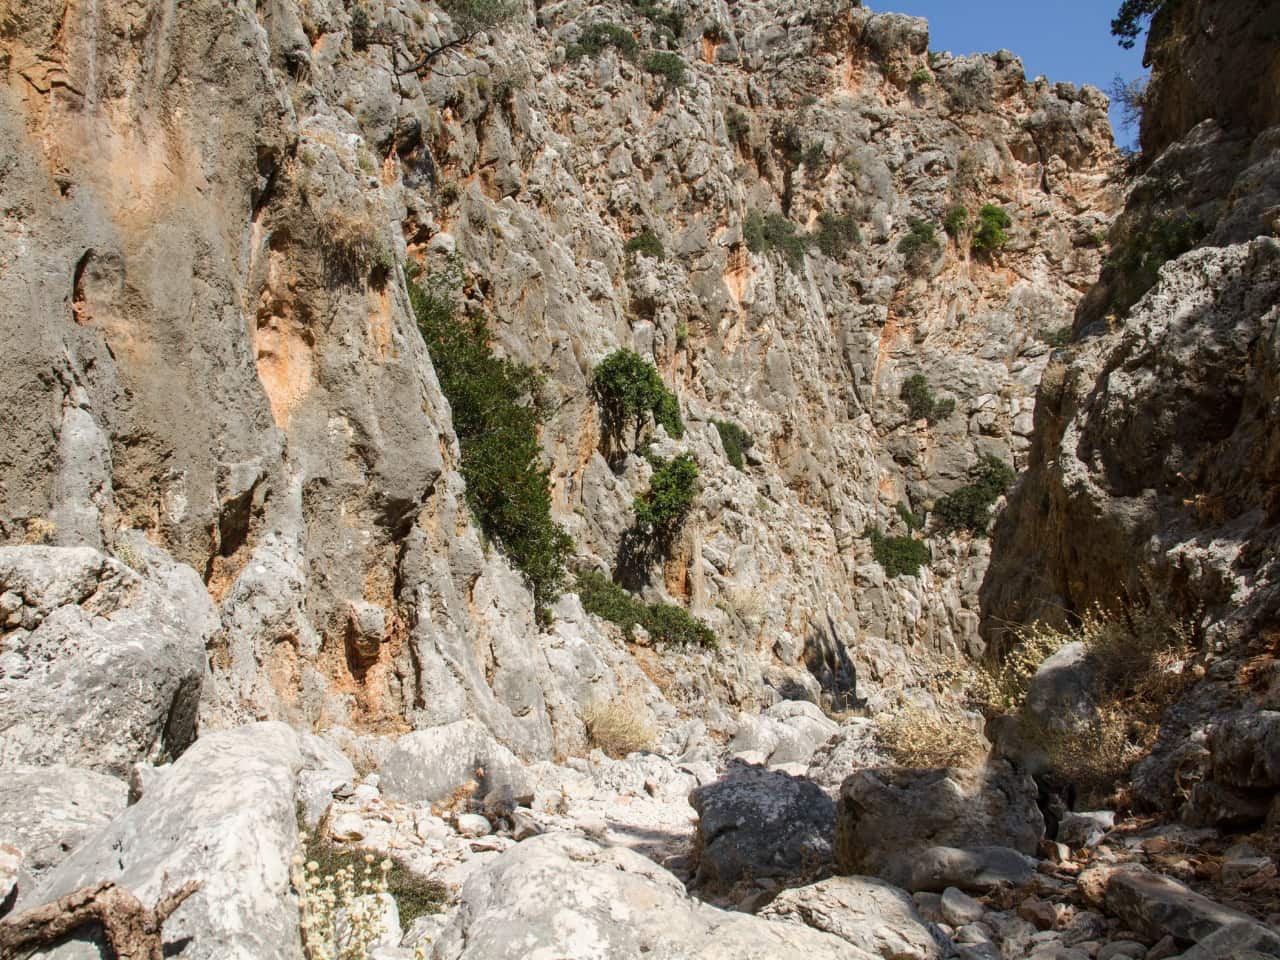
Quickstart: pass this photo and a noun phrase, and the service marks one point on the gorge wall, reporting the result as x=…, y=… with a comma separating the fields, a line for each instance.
x=210, y=207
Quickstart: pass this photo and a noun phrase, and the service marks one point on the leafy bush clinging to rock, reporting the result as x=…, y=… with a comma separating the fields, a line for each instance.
x=969, y=508
x=664, y=622
x=921, y=402
x=497, y=408
x=629, y=389
x=735, y=441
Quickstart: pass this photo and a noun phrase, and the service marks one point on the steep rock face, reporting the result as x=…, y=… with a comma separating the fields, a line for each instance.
x=1211, y=59
x=207, y=211
x=1155, y=464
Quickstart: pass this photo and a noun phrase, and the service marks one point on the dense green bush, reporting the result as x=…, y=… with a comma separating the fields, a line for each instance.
x=920, y=246
x=956, y=221
x=921, y=402
x=899, y=555
x=599, y=35
x=735, y=441
x=664, y=622
x=661, y=509
x=969, y=508
x=992, y=229
x=669, y=66
x=770, y=232
x=629, y=389
x=921, y=78
x=836, y=233
x=497, y=408
x=645, y=242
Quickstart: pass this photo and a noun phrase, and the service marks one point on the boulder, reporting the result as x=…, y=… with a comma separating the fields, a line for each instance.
x=888, y=813
x=224, y=816
x=1245, y=750
x=864, y=912
x=853, y=747
x=429, y=765
x=1085, y=829
x=47, y=812
x=566, y=897
x=760, y=823
x=1156, y=905
x=972, y=869
x=1059, y=695
x=325, y=771
x=100, y=669
x=1237, y=941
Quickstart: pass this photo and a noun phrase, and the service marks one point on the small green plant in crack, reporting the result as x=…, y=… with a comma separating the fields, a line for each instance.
x=737, y=125
x=922, y=403
x=664, y=622
x=735, y=441
x=899, y=556
x=992, y=229
x=956, y=221
x=497, y=407
x=645, y=242
x=969, y=508
x=837, y=234
x=772, y=232
x=669, y=66
x=599, y=36
x=920, y=246
x=661, y=510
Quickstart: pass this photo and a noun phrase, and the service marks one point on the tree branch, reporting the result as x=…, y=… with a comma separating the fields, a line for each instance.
x=132, y=930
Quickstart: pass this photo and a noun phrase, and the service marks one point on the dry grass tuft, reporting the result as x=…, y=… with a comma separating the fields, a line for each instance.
x=1140, y=657
x=40, y=531
x=617, y=727
x=916, y=737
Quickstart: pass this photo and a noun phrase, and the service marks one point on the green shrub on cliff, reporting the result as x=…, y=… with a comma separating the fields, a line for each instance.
x=497, y=408
x=969, y=508
x=992, y=229
x=664, y=622
x=629, y=390
x=661, y=509
x=735, y=441
x=921, y=402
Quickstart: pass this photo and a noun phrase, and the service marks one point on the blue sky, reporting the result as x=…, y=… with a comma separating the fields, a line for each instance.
x=1060, y=40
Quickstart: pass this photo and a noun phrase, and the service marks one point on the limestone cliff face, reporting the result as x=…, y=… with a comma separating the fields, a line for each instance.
x=208, y=211
x=1153, y=472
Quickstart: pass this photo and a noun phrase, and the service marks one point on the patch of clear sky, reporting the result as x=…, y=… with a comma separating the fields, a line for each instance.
x=1062, y=41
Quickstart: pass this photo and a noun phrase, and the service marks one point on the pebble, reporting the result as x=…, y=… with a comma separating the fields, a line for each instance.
x=958, y=908
x=348, y=827
x=473, y=825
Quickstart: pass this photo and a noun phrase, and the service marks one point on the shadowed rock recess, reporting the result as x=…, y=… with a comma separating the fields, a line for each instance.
x=919, y=594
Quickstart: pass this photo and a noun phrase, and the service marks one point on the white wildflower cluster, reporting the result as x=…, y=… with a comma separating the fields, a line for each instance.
x=340, y=911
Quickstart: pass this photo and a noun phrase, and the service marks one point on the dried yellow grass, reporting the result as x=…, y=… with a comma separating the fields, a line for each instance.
x=617, y=727
x=916, y=737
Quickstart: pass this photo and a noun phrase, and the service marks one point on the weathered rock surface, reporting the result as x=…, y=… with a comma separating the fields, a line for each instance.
x=48, y=812
x=786, y=733
x=867, y=913
x=889, y=816
x=568, y=897
x=428, y=765
x=755, y=823
x=261, y=254
x=222, y=815
x=98, y=668
x=1158, y=906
